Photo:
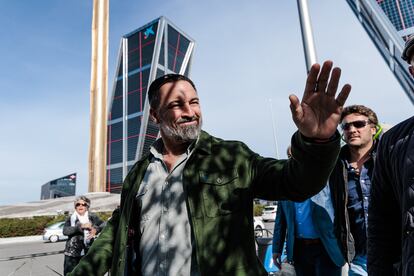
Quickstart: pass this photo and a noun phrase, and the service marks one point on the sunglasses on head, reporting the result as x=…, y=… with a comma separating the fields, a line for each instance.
x=356, y=124
x=81, y=204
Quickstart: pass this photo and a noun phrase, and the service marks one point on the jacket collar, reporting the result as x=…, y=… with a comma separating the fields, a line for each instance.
x=204, y=142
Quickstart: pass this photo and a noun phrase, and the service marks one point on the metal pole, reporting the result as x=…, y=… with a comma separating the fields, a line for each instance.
x=98, y=96
x=307, y=35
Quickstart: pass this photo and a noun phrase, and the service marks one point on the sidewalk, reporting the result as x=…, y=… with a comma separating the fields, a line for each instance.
x=21, y=239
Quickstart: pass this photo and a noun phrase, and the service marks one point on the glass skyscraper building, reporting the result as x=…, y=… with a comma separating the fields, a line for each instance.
x=388, y=23
x=151, y=51
x=60, y=187
x=401, y=15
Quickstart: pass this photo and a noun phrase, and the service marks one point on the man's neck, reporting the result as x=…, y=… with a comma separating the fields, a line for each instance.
x=172, y=151
x=358, y=155
x=173, y=148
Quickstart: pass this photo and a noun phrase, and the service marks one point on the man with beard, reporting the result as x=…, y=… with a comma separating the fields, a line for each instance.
x=350, y=184
x=186, y=208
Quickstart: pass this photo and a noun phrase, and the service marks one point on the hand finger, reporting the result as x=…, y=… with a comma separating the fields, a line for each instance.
x=324, y=76
x=295, y=107
x=333, y=83
x=311, y=81
x=343, y=95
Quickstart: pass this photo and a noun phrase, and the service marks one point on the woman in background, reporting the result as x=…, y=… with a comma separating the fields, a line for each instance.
x=81, y=228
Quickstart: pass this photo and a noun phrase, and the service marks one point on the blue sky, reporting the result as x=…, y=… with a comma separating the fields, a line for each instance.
x=247, y=53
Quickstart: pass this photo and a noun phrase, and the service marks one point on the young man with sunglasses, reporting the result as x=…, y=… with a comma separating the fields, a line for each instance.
x=391, y=213
x=186, y=207
x=350, y=184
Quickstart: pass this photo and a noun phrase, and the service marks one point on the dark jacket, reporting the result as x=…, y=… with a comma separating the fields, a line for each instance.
x=75, y=244
x=391, y=209
x=338, y=182
x=220, y=180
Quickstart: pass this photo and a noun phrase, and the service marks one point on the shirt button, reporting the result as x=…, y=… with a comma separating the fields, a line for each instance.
x=365, y=197
x=162, y=236
x=219, y=180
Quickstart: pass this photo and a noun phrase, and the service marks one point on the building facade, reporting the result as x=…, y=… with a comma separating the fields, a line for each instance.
x=60, y=187
x=401, y=15
x=151, y=51
x=388, y=23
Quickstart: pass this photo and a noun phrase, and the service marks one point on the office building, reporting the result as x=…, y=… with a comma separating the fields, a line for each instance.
x=149, y=52
x=401, y=15
x=60, y=187
x=388, y=23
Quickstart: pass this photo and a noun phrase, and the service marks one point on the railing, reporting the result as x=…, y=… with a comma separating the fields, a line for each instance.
x=263, y=233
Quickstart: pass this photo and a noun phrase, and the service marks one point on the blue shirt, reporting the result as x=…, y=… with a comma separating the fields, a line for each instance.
x=303, y=221
x=359, y=186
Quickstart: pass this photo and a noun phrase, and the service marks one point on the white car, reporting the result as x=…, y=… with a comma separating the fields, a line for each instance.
x=269, y=213
x=258, y=227
x=54, y=232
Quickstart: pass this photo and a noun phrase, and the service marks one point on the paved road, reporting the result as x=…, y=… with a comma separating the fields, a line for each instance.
x=36, y=266
x=42, y=265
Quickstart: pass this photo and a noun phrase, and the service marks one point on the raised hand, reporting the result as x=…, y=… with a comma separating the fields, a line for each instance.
x=318, y=115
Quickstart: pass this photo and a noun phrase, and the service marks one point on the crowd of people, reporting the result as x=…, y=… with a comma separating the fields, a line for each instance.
x=186, y=206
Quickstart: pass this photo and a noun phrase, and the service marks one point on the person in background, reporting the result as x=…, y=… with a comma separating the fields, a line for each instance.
x=81, y=228
x=308, y=228
x=352, y=178
x=391, y=210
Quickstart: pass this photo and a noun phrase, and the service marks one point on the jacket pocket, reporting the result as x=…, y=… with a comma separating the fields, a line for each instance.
x=219, y=192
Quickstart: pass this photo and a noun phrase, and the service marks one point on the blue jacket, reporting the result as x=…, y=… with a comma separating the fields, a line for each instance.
x=285, y=228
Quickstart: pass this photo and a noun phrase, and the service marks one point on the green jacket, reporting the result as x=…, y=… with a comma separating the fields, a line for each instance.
x=221, y=178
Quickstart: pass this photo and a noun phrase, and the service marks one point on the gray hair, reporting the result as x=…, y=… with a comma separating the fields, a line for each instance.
x=84, y=198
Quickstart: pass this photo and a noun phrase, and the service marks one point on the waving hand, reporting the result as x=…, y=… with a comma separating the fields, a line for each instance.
x=317, y=115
